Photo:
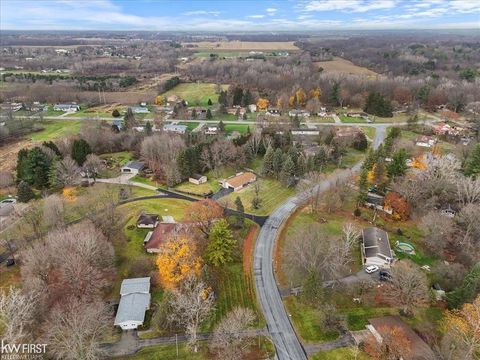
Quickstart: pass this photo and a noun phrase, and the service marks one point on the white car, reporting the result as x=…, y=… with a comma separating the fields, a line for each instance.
x=370, y=269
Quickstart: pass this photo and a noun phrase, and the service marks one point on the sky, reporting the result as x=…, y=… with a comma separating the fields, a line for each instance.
x=238, y=15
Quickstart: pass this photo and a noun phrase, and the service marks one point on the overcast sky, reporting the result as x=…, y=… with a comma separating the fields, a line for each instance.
x=241, y=15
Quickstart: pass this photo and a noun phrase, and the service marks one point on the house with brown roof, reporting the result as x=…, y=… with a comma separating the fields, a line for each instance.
x=161, y=234
x=387, y=326
x=239, y=181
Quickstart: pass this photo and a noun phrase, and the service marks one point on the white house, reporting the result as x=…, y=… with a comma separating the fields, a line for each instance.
x=252, y=108
x=425, y=141
x=140, y=110
x=134, y=301
x=73, y=107
x=178, y=129
x=376, y=247
x=197, y=179
x=211, y=130
x=132, y=167
x=294, y=112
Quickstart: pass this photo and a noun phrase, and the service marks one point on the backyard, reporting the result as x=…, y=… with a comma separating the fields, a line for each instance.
x=54, y=129
x=195, y=93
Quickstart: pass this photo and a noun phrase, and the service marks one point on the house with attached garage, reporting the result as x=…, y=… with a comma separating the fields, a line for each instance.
x=132, y=167
x=376, y=248
x=134, y=302
x=239, y=181
x=73, y=107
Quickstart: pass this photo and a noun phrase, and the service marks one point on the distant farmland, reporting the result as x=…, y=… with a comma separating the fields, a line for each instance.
x=340, y=65
x=244, y=45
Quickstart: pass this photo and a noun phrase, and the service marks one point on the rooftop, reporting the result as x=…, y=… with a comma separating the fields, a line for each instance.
x=138, y=165
x=241, y=179
x=135, y=285
x=375, y=241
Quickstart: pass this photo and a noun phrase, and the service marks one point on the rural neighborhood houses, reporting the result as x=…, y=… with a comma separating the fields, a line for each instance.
x=174, y=128
x=376, y=247
x=134, y=302
x=132, y=167
x=72, y=107
x=425, y=141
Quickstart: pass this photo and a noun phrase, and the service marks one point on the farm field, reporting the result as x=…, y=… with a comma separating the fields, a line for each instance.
x=272, y=194
x=194, y=93
x=243, y=45
x=54, y=129
x=340, y=65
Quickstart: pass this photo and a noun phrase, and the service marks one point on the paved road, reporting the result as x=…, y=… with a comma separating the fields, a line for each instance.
x=287, y=344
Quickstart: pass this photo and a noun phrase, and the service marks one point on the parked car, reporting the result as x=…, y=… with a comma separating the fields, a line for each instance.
x=9, y=201
x=10, y=262
x=370, y=269
x=384, y=276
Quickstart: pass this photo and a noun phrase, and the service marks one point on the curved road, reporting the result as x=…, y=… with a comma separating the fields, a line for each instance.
x=279, y=326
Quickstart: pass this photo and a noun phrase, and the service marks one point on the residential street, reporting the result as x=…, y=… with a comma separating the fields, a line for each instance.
x=287, y=344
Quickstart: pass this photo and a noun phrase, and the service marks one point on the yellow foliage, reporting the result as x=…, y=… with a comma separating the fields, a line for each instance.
x=291, y=101
x=70, y=194
x=418, y=163
x=436, y=150
x=176, y=261
x=262, y=104
x=315, y=93
x=159, y=100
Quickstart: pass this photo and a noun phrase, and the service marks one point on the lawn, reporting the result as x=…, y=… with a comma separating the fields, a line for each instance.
x=241, y=128
x=319, y=119
x=352, y=120
x=307, y=321
x=211, y=186
x=340, y=354
x=54, y=129
x=272, y=194
x=190, y=125
x=194, y=93
x=369, y=131
x=145, y=180
x=117, y=159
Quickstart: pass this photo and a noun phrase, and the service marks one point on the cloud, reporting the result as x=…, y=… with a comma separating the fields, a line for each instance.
x=349, y=5
x=258, y=16
x=201, y=12
x=271, y=11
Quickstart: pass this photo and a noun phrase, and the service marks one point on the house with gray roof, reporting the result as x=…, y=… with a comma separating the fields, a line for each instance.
x=376, y=248
x=132, y=167
x=134, y=301
x=174, y=128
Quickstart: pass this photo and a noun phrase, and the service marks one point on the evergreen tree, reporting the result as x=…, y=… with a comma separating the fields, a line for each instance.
x=363, y=185
x=247, y=98
x=129, y=119
x=267, y=166
x=220, y=244
x=319, y=159
x=24, y=192
x=22, y=164
x=209, y=103
x=296, y=122
x=377, y=105
x=360, y=142
x=472, y=165
x=370, y=159
x=301, y=165
x=221, y=127
x=115, y=113
x=237, y=96
x=148, y=128
x=37, y=168
x=194, y=114
x=222, y=98
x=51, y=145
x=80, y=150
x=333, y=98
x=241, y=212
x=287, y=174
x=209, y=114
x=412, y=121
x=277, y=162
x=398, y=165
x=467, y=291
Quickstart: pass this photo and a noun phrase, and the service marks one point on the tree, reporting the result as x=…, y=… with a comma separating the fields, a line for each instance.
x=334, y=94
x=394, y=345
x=472, y=165
x=398, y=165
x=464, y=326
x=256, y=200
x=52, y=146
x=148, y=128
x=63, y=173
x=204, y=213
x=209, y=103
x=230, y=338
x=400, y=207
x=262, y=104
x=222, y=99
x=438, y=230
x=54, y=211
x=220, y=244
x=17, y=315
x=80, y=150
x=467, y=291
x=277, y=162
x=34, y=167
x=75, y=331
x=468, y=190
x=193, y=114
x=247, y=98
x=267, y=166
x=408, y=287
x=24, y=192
x=296, y=122
x=191, y=304
x=129, y=119
x=287, y=174
x=177, y=260
x=116, y=113
x=241, y=212
x=237, y=96
x=209, y=114
x=360, y=141
x=221, y=127
x=377, y=105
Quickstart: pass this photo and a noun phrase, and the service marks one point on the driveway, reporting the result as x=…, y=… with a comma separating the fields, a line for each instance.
x=124, y=179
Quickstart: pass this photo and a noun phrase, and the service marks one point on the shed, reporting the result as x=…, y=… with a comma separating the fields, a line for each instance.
x=147, y=221
x=132, y=167
x=134, y=301
x=197, y=179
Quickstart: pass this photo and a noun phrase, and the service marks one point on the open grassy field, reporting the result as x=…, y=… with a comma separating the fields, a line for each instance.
x=340, y=65
x=190, y=125
x=54, y=129
x=272, y=194
x=243, y=45
x=340, y=354
x=195, y=93
x=319, y=119
x=241, y=128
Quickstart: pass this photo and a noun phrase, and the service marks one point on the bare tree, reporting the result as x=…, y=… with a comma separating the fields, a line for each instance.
x=254, y=143
x=66, y=172
x=311, y=190
x=54, y=211
x=6, y=179
x=468, y=220
x=74, y=331
x=17, y=312
x=93, y=165
x=409, y=286
x=161, y=151
x=33, y=217
x=438, y=230
x=230, y=337
x=191, y=304
x=468, y=190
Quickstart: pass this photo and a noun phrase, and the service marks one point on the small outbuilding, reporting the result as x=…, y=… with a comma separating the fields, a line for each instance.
x=197, y=179
x=376, y=248
x=134, y=302
x=147, y=221
x=132, y=167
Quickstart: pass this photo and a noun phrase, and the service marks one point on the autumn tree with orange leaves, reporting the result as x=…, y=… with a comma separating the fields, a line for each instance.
x=462, y=331
x=177, y=260
x=262, y=104
x=203, y=213
x=395, y=344
x=399, y=206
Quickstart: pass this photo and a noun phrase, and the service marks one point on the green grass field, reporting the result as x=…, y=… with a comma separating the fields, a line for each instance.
x=190, y=125
x=319, y=119
x=54, y=129
x=369, y=131
x=241, y=128
x=195, y=93
x=272, y=194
